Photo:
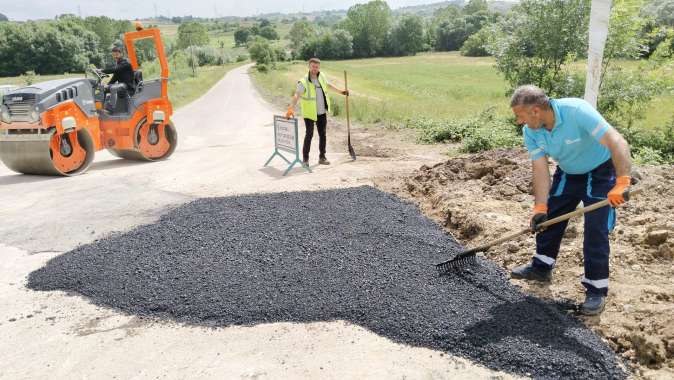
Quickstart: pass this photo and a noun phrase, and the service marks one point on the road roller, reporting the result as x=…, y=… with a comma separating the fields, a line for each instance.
x=56, y=127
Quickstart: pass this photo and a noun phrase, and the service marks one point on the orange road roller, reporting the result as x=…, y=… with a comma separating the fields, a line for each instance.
x=55, y=127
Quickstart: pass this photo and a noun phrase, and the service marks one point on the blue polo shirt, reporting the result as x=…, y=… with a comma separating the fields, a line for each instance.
x=574, y=140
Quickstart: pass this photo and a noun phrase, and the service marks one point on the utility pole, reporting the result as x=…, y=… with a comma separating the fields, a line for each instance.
x=79, y=10
x=155, y=12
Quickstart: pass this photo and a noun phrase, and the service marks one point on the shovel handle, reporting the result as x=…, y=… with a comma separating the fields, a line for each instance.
x=346, y=87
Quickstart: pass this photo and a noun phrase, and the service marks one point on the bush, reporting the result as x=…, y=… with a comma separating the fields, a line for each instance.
x=207, y=55
x=481, y=132
x=262, y=52
x=476, y=45
x=624, y=97
x=241, y=57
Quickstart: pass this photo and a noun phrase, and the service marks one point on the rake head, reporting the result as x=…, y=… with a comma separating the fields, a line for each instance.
x=457, y=263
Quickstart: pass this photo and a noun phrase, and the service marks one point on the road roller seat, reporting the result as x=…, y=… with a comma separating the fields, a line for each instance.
x=137, y=82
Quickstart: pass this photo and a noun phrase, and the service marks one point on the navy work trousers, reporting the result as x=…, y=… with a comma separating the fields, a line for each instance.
x=566, y=192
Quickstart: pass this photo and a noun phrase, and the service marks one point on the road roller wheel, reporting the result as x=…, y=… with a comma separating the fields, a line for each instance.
x=65, y=154
x=153, y=142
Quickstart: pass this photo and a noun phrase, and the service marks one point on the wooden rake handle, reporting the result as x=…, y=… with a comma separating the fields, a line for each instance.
x=548, y=223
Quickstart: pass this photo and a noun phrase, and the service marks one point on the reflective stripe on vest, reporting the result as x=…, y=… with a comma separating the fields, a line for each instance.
x=308, y=98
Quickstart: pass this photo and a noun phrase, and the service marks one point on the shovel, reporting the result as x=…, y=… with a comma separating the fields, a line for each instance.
x=352, y=152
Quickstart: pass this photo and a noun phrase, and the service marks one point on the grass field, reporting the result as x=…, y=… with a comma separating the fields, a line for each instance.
x=436, y=86
x=395, y=89
x=181, y=91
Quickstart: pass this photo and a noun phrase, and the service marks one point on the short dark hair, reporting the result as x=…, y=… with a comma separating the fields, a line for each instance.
x=314, y=60
x=529, y=95
x=115, y=49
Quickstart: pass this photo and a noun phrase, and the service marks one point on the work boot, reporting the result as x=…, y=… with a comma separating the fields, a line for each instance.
x=530, y=272
x=323, y=161
x=593, y=305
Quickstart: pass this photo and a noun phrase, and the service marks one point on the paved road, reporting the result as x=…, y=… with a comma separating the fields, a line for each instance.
x=224, y=138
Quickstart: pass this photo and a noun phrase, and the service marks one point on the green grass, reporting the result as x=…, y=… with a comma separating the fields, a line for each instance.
x=184, y=91
x=392, y=90
x=435, y=86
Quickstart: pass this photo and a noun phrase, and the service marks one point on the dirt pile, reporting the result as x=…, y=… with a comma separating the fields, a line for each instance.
x=480, y=197
x=357, y=254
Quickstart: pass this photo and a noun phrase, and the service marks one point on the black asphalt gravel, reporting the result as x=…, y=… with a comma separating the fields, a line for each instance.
x=357, y=254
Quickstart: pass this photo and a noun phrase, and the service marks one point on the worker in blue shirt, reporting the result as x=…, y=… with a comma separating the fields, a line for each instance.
x=593, y=164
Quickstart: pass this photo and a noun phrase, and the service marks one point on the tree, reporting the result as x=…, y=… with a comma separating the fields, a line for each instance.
x=661, y=10
x=407, y=36
x=108, y=32
x=475, y=6
x=369, y=25
x=300, y=32
x=336, y=44
x=192, y=34
x=451, y=34
x=624, y=38
x=452, y=27
x=269, y=32
x=476, y=45
x=537, y=39
x=261, y=51
x=52, y=47
x=241, y=36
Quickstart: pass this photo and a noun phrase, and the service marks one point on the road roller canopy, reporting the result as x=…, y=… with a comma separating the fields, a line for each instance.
x=153, y=34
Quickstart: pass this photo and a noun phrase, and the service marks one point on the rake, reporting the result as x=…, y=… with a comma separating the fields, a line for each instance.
x=468, y=257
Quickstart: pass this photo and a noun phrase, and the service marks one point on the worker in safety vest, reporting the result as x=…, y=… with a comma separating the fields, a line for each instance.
x=593, y=164
x=315, y=105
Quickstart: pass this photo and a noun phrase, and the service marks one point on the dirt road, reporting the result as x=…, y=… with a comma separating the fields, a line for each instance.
x=224, y=138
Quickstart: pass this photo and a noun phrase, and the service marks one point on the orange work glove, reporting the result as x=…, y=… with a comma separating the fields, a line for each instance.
x=540, y=215
x=615, y=196
x=290, y=113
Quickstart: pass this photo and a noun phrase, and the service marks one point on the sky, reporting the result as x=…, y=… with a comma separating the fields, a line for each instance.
x=18, y=10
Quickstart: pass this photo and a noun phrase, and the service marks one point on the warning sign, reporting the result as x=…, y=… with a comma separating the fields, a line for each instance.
x=286, y=139
x=286, y=134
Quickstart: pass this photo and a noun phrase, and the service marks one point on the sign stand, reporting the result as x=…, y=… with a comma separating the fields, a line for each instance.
x=286, y=139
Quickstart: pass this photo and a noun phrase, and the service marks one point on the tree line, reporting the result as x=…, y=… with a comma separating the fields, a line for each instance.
x=70, y=44
x=67, y=44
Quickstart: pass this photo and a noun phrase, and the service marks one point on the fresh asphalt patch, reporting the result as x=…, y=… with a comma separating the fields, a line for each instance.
x=359, y=255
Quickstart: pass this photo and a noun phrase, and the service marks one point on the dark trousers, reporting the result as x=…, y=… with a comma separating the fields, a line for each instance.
x=116, y=91
x=566, y=192
x=320, y=125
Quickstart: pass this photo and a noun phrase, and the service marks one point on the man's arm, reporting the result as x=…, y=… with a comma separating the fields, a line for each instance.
x=343, y=92
x=620, y=151
x=291, y=108
x=117, y=67
x=541, y=180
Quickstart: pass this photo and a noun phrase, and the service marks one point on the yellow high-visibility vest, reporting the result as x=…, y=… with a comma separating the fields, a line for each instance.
x=308, y=98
